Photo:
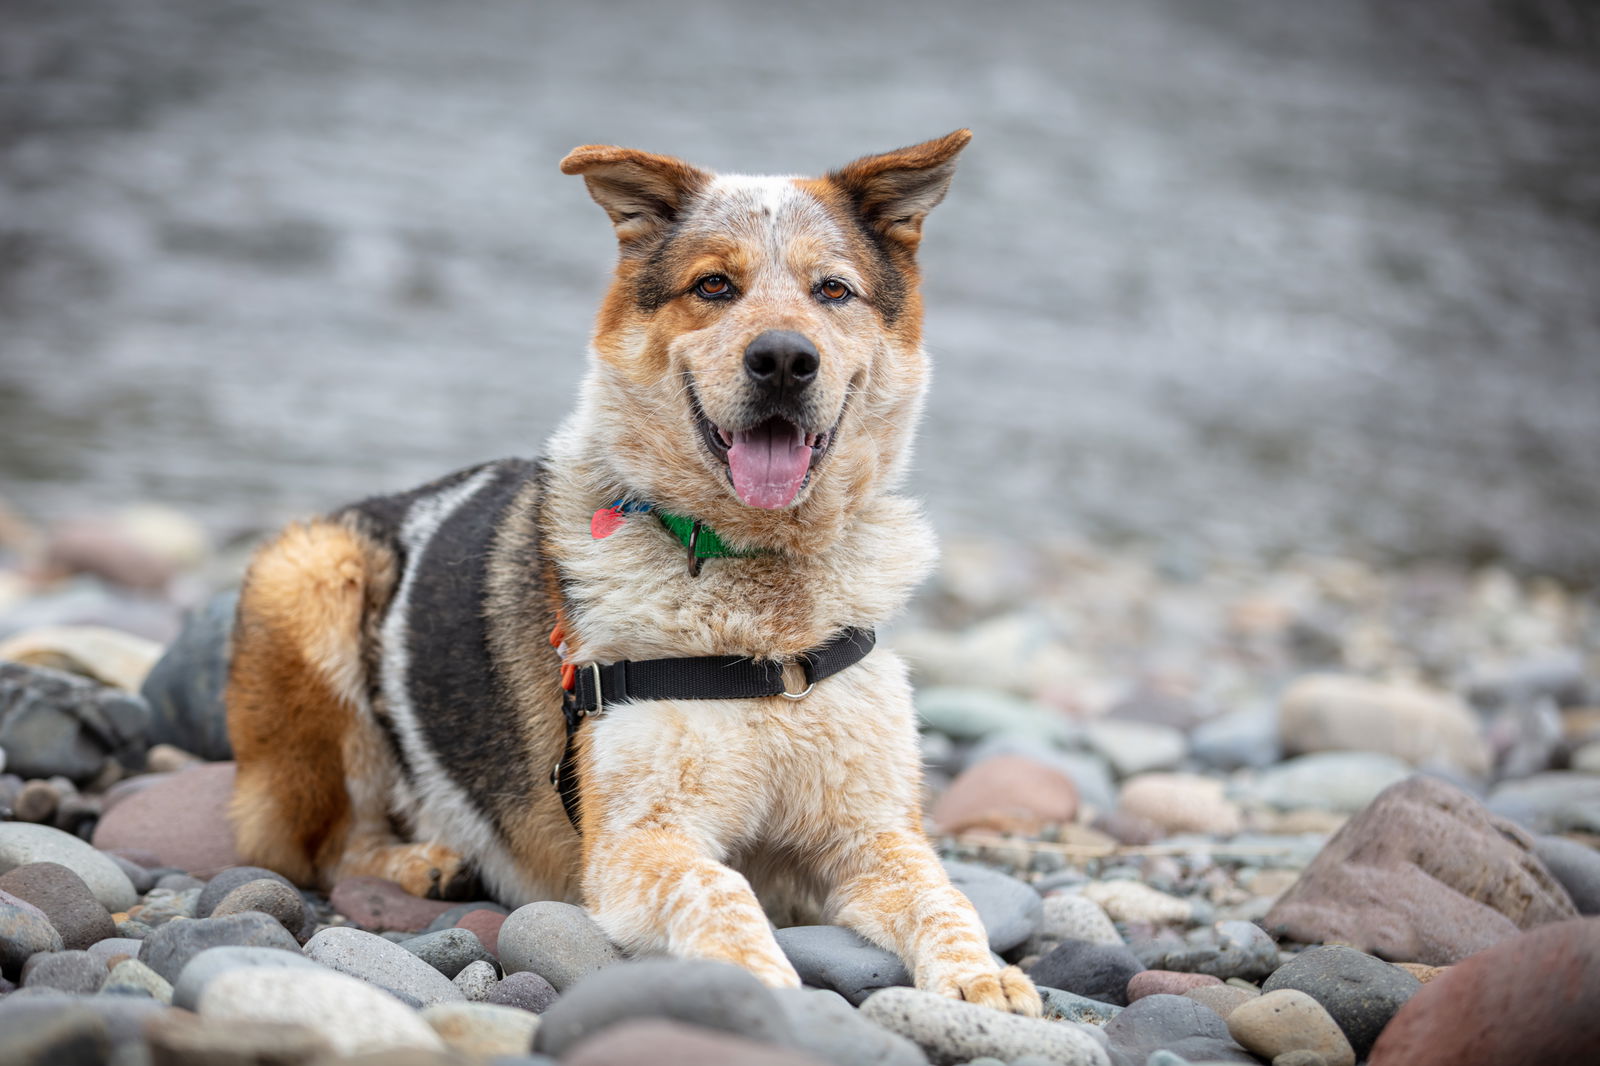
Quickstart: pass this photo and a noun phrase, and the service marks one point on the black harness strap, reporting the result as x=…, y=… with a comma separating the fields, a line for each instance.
x=712, y=677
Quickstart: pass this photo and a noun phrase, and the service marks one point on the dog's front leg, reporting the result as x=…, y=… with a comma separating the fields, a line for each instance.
x=893, y=891
x=657, y=890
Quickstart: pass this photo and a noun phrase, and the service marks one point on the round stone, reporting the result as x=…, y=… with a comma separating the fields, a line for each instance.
x=477, y=982
x=21, y=844
x=557, y=941
x=1068, y=916
x=351, y=1015
x=949, y=1030
x=1098, y=971
x=169, y=948
x=211, y=963
x=65, y=899
x=272, y=898
x=1361, y=992
x=483, y=1030
x=1286, y=1020
x=448, y=951
x=77, y=972
x=378, y=962
x=24, y=932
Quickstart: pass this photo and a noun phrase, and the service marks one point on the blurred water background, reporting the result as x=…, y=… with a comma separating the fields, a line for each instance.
x=1234, y=277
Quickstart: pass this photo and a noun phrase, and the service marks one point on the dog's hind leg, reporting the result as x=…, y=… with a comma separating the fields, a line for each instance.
x=294, y=689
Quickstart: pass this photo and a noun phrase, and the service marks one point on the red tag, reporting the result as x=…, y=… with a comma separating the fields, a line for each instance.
x=605, y=522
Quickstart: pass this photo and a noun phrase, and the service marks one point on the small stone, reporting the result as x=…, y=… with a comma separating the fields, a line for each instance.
x=974, y=713
x=181, y=818
x=388, y=966
x=225, y=881
x=1554, y=802
x=1288, y=1020
x=377, y=905
x=178, y=882
x=133, y=978
x=836, y=958
x=1424, y=874
x=1069, y=1006
x=482, y=1029
x=272, y=898
x=1098, y=971
x=1360, y=992
x=1010, y=909
x=351, y=1015
x=1181, y=803
x=76, y=972
x=65, y=900
x=1068, y=916
x=1131, y=901
x=36, y=803
x=664, y=1043
x=714, y=995
x=168, y=949
x=485, y=925
x=22, y=844
x=1167, y=983
x=1529, y=999
x=525, y=991
x=1006, y=794
x=1329, y=712
x=161, y=906
x=1221, y=998
x=211, y=963
x=169, y=759
x=950, y=1031
x=477, y=981
x=1243, y=738
x=143, y=880
x=1421, y=972
x=448, y=950
x=824, y=1025
x=1136, y=747
x=106, y=950
x=24, y=932
x=1241, y=949
x=178, y=1038
x=1176, y=1024
x=557, y=941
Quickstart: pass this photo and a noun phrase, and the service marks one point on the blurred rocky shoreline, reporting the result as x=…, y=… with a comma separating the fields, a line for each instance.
x=1218, y=812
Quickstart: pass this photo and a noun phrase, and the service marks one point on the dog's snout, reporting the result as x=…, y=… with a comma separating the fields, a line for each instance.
x=782, y=361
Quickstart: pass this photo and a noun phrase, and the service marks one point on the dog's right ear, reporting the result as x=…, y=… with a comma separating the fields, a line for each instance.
x=641, y=191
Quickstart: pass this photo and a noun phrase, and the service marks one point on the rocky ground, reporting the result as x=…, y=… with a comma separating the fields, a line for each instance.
x=1319, y=813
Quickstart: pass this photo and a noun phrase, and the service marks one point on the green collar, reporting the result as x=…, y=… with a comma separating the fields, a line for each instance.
x=707, y=545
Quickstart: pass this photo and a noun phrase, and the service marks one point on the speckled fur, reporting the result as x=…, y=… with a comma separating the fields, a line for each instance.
x=700, y=818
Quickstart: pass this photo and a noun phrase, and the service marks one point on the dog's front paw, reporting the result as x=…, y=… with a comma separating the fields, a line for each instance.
x=1008, y=990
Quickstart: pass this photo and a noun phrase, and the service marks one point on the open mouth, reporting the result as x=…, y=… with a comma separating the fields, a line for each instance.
x=768, y=462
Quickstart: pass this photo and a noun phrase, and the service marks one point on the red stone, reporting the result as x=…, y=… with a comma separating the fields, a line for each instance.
x=181, y=819
x=1166, y=983
x=1007, y=793
x=1534, y=998
x=380, y=906
x=485, y=925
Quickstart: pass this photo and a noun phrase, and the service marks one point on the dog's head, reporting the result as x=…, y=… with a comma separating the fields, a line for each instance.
x=760, y=360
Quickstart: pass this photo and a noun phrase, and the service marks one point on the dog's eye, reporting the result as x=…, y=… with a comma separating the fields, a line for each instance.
x=713, y=287
x=834, y=291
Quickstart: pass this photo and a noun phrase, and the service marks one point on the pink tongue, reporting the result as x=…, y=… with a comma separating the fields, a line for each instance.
x=768, y=463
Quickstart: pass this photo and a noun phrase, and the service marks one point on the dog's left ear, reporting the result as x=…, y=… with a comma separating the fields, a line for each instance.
x=895, y=191
x=641, y=191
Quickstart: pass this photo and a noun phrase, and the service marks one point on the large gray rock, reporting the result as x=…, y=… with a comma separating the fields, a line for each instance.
x=1176, y=1024
x=351, y=1015
x=77, y=972
x=1011, y=910
x=211, y=963
x=712, y=995
x=1360, y=992
x=24, y=932
x=1097, y=971
x=829, y=1028
x=53, y=722
x=381, y=963
x=950, y=1031
x=184, y=688
x=21, y=844
x=168, y=949
x=833, y=957
x=557, y=941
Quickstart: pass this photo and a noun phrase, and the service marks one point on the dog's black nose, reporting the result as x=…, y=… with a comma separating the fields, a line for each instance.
x=781, y=361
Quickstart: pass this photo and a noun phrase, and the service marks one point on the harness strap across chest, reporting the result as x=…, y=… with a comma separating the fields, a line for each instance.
x=591, y=688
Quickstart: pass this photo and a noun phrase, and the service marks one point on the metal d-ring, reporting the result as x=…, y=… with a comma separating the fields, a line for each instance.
x=694, y=560
x=798, y=695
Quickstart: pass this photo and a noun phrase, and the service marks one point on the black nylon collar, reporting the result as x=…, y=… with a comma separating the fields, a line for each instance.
x=711, y=677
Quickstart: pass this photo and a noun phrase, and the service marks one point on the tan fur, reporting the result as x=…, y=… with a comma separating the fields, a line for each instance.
x=703, y=818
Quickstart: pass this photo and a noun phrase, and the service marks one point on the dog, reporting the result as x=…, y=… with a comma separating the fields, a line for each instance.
x=466, y=679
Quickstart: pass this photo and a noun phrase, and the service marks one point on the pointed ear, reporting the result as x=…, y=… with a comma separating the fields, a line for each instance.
x=641, y=191
x=895, y=191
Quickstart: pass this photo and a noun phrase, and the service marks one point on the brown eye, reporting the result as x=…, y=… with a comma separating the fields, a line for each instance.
x=714, y=287
x=834, y=290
